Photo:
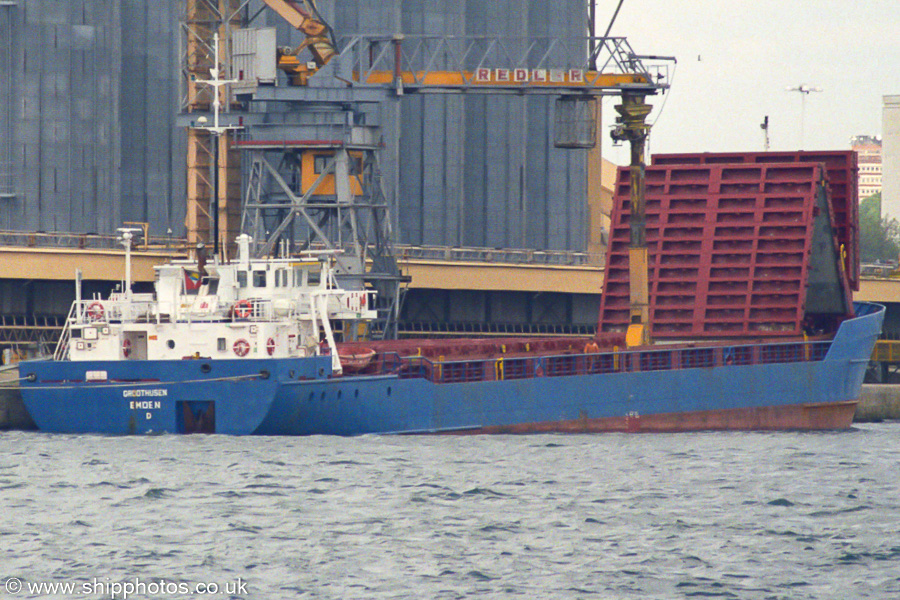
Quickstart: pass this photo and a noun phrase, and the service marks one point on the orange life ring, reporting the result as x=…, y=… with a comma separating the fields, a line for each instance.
x=241, y=347
x=126, y=347
x=243, y=309
x=270, y=346
x=95, y=311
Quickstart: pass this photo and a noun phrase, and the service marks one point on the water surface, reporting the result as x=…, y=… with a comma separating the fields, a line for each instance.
x=710, y=515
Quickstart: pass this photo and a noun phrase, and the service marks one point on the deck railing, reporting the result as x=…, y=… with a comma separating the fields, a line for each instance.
x=625, y=361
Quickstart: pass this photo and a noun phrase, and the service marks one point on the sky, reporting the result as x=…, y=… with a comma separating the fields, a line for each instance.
x=737, y=57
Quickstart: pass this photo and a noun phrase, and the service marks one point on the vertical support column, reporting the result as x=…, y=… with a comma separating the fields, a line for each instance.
x=204, y=18
x=197, y=219
x=595, y=193
x=634, y=128
x=229, y=200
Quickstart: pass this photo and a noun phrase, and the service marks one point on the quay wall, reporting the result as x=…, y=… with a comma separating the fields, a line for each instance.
x=878, y=402
x=12, y=411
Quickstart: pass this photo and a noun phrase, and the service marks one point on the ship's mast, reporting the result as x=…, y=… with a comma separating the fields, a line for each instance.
x=127, y=235
x=215, y=130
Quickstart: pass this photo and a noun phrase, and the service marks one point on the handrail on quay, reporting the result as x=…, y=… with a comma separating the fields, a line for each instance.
x=43, y=239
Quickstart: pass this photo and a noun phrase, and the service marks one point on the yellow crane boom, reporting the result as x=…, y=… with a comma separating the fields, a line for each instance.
x=304, y=16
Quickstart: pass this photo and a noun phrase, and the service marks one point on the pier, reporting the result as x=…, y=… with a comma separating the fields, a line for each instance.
x=878, y=402
x=12, y=412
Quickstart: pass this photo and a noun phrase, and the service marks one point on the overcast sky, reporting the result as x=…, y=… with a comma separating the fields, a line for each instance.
x=736, y=57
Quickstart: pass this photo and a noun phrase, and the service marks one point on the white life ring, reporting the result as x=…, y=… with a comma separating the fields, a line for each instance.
x=243, y=309
x=95, y=311
x=241, y=347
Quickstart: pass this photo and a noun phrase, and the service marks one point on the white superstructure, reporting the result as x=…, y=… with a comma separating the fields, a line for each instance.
x=248, y=308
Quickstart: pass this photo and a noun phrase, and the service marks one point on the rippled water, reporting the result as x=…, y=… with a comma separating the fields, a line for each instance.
x=610, y=516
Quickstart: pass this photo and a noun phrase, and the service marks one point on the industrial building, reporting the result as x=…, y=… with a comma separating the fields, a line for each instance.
x=88, y=137
x=87, y=104
x=890, y=157
x=868, y=151
x=89, y=141
x=501, y=231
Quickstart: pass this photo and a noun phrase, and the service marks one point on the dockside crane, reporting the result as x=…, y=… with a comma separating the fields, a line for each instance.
x=304, y=16
x=325, y=176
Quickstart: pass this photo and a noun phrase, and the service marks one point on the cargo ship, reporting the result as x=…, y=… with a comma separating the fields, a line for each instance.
x=751, y=314
x=533, y=386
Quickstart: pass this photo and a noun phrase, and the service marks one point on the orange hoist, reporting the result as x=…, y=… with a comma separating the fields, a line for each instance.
x=304, y=16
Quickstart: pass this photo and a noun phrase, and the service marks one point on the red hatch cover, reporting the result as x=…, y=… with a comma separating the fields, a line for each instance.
x=735, y=250
x=843, y=170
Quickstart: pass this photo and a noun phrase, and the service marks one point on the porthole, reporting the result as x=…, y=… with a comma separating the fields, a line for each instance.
x=205, y=368
x=171, y=344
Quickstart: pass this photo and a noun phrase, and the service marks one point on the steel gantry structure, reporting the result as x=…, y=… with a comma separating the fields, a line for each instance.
x=206, y=165
x=312, y=161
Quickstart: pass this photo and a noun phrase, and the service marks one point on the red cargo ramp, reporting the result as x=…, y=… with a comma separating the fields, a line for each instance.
x=842, y=169
x=735, y=250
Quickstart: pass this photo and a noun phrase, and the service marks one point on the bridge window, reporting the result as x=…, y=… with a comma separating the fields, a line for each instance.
x=259, y=279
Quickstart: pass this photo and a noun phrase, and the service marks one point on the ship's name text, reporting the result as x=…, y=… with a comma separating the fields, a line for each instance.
x=145, y=393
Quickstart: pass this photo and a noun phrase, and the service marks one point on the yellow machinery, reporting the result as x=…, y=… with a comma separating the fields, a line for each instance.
x=304, y=16
x=314, y=163
x=633, y=127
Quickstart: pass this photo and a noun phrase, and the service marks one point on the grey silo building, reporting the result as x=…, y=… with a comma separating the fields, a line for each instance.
x=88, y=96
x=474, y=170
x=88, y=141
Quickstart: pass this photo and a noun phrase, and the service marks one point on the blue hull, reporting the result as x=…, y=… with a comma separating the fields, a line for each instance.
x=298, y=396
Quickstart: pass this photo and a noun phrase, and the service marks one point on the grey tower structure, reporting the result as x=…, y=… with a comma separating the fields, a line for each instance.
x=476, y=170
x=87, y=134
x=87, y=108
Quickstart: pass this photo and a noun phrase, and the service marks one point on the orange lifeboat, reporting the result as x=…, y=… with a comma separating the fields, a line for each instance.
x=356, y=359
